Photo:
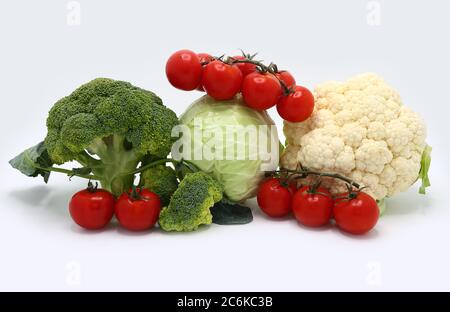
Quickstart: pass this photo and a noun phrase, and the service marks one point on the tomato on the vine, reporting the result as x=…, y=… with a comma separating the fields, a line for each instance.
x=221, y=81
x=183, y=70
x=246, y=68
x=297, y=106
x=261, y=90
x=356, y=213
x=287, y=78
x=274, y=198
x=312, y=207
x=138, y=209
x=92, y=208
x=204, y=58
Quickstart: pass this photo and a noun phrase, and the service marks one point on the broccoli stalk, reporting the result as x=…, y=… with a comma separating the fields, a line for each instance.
x=116, y=164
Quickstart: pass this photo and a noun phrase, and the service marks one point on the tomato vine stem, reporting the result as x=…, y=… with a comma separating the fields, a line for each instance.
x=304, y=173
x=260, y=66
x=272, y=69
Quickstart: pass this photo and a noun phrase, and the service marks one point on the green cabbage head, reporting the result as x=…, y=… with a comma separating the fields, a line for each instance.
x=230, y=141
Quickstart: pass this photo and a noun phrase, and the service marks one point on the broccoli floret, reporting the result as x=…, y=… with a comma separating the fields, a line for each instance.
x=190, y=205
x=109, y=126
x=161, y=180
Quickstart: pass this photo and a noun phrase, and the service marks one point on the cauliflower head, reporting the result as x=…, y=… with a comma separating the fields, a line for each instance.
x=360, y=129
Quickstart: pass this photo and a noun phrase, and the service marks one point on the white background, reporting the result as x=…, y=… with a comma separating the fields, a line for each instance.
x=46, y=52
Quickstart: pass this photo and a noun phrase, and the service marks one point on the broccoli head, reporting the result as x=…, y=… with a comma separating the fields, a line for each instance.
x=190, y=205
x=109, y=126
x=161, y=180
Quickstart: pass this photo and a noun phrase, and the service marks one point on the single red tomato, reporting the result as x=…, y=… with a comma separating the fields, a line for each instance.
x=261, y=91
x=357, y=215
x=312, y=209
x=287, y=78
x=138, y=210
x=92, y=208
x=184, y=71
x=221, y=81
x=245, y=68
x=274, y=198
x=204, y=58
x=297, y=106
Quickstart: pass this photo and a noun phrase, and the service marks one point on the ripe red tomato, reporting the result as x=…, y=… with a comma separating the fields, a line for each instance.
x=287, y=78
x=312, y=210
x=92, y=208
x=138, y=212
x=297, y=106
x=204, y=58
x=261, y=91
x=221, y=81
x=358, y=215
x=246, y=68
x=274, y=199
x=184, y=71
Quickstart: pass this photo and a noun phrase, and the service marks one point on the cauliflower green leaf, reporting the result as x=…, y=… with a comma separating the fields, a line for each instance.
x=425, y=164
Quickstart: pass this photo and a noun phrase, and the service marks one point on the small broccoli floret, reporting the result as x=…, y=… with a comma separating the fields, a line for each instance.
x=161, y=180
x=109, y=126
x=190, y=205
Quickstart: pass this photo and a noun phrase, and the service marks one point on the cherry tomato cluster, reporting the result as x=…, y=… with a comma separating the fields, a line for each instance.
x=136, y=210
x=354, y=212
x=262, y=86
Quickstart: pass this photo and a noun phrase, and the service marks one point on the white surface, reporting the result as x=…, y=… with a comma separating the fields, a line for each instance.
x=42, y=58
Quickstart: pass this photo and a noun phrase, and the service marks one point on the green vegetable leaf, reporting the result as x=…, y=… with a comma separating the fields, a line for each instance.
x=381, y=206
x=227, y=212
x=32, y=161
x=425, y=163
x=81, y=171
x=281, y=147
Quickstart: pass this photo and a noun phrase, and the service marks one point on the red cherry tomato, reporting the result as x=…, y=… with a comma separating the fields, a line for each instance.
x=358, y=215
x=287, y=78
x=138, y=212
x=297, y=106
x=221, y=81
x=246, y=68
x=204, y=58
x=312, y=210
x=92, y=208
x=274, y=199
x=184, y=71
x=261, y=91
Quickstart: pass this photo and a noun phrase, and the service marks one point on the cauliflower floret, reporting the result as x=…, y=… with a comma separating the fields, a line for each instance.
x=360, y=129
x=371, y=156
